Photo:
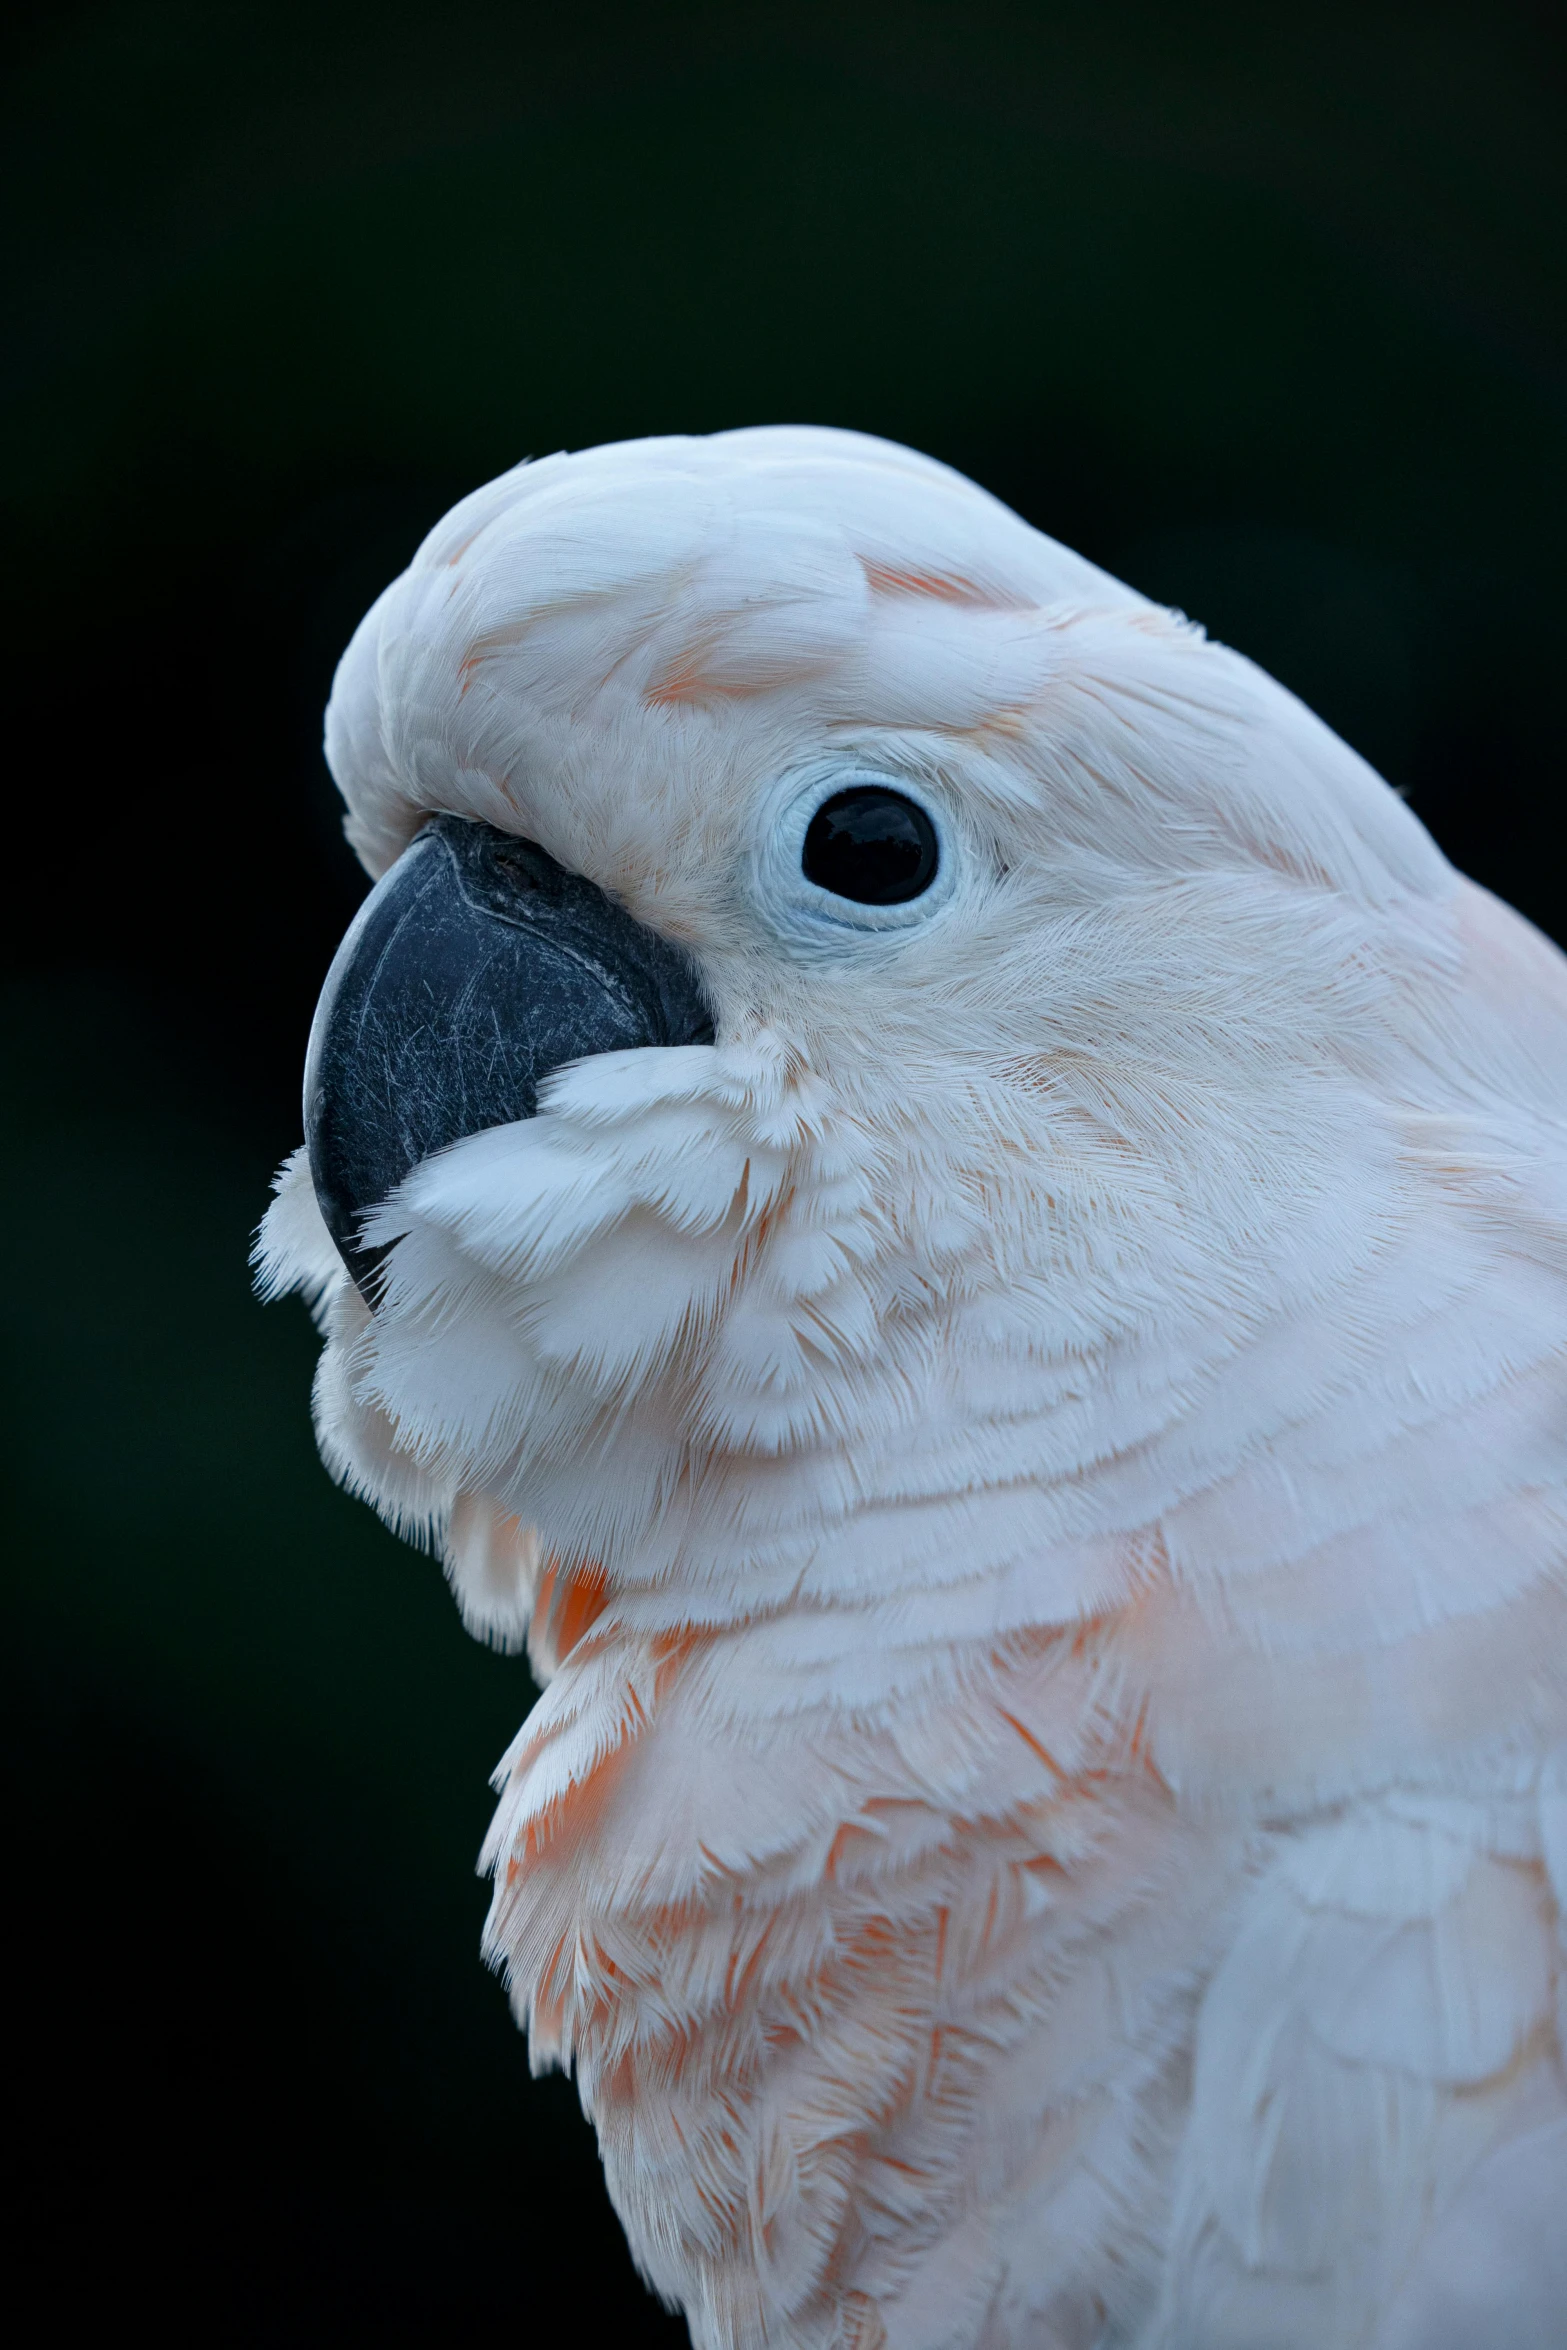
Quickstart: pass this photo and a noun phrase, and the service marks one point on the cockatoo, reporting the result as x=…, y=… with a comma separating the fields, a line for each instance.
x=943, y=1203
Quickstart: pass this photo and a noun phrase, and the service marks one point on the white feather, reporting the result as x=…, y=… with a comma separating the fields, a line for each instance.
x=1034, y=1467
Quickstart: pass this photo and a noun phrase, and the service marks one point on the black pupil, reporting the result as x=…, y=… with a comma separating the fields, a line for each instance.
x=871, y=845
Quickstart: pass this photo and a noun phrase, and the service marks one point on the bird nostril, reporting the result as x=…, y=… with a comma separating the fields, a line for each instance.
x=518, y=862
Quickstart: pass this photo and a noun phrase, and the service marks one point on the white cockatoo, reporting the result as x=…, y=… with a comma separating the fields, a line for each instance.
x=941, y=1200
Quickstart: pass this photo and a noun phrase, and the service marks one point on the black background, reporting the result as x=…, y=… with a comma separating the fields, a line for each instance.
x=1263, y=308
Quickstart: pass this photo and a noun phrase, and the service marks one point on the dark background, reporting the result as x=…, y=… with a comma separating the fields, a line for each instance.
x=1262, y=307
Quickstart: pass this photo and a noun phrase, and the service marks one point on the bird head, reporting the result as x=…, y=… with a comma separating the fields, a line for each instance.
x=861, y=1013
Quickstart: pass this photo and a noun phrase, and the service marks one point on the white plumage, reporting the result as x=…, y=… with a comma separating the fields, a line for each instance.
x=1032, y=1468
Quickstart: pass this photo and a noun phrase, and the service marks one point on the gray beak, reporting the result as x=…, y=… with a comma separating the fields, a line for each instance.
x=474, y=967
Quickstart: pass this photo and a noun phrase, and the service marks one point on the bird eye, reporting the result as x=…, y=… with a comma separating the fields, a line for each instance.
x=871, y=845
x=845, y=855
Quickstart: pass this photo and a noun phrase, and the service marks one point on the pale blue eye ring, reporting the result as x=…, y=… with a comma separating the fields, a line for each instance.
x=811, y=920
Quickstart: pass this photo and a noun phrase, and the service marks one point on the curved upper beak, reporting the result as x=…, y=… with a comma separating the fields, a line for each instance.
x=475, y=967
